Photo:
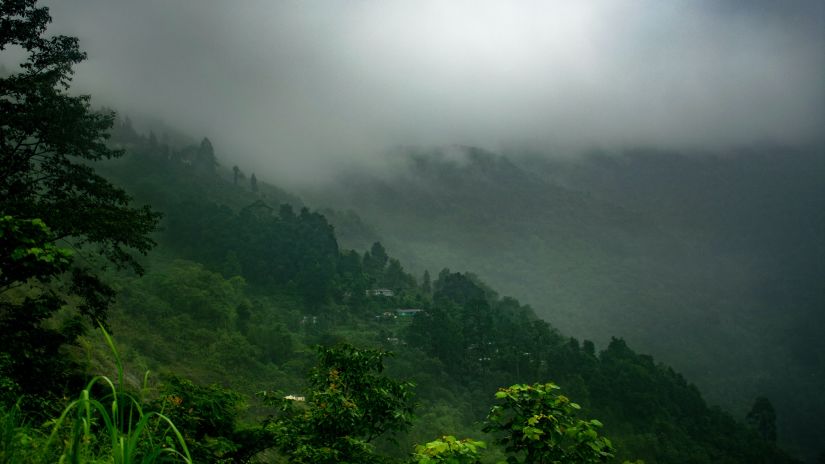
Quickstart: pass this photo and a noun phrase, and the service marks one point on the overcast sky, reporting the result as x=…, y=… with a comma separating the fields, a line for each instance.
x=293, y=87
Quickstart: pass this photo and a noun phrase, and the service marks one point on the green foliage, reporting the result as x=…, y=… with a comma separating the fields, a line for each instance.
x=467, y=342
x=350, y=404
x=27, y=251
x=538, y=425
x=114, y=427
x=205, y=161
x=449, y=450
x=302, y=289
x=187, y=289
x=375, y=260
x=621, y=243
x=30, y=263
x=50, y=193
x=207, y=417
x=762, y=418
x=298, y=251
x=48, y=138
x=16, y=442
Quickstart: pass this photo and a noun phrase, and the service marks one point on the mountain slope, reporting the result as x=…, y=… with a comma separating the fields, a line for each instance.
x=687, y=257
x=237, y=294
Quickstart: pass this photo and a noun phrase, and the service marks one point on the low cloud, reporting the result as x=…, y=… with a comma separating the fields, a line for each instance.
x=293, y=89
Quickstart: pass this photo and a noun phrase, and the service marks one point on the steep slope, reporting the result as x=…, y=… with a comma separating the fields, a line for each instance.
x=236, y=295
x=617, y=247
x=580, y=259
x=754, y=220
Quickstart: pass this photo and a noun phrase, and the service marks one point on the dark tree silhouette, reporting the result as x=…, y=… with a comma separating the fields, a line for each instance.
x=205, y=160
x=50, y=197
x=762, y=417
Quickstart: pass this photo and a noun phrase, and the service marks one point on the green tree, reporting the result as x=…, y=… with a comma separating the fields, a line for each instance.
x=538, y=425
x=48, y=140
x=426, y=283
x=27, y=251
x=762, y=417
x=28, y=255
x=375, y=261
x=352, y=283
x=205, y=160
x=351, y=403
x=589, y=347
x=207, y=418
x=253, y=183
x=396, y=278
x=153, y=142
x=457, y=288
x=438, y=333
x=449, y=450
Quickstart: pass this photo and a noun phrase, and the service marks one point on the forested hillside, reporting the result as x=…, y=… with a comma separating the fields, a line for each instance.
x=157, y=305
x=256, y=285
x=713, y=263
x=242, y=285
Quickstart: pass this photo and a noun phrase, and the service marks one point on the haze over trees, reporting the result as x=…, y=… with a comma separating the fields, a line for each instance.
x=713, y=263
x=248, y=328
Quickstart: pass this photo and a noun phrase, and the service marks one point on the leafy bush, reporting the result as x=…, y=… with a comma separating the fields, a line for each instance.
x=448, y=450
x=538, y=425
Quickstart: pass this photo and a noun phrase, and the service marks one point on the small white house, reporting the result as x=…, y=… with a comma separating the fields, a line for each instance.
x=380, y=292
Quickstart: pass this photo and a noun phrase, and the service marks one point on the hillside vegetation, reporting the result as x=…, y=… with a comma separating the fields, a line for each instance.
x=711, y=263
x=156, y=306
x=237, y=296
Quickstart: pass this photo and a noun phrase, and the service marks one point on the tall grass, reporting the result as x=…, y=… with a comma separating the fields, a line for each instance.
x=15, y=439
x=114, y=428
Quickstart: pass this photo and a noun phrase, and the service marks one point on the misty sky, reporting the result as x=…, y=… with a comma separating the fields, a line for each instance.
x=310, y=83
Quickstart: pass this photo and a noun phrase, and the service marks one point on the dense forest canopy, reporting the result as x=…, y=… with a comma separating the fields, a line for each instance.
x=711, y=262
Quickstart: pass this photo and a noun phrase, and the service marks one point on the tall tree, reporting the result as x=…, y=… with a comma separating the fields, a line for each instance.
x=762, y=417
x=396, y=278
x=253, y=183
x=205, y=160
x=350, y=404
x=426, y=283
x=375, y=261
x=49, y=194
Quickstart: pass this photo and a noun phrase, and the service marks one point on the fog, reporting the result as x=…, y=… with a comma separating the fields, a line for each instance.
x=294, y=89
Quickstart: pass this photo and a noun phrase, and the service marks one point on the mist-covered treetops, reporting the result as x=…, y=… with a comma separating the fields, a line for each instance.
x=251, y=326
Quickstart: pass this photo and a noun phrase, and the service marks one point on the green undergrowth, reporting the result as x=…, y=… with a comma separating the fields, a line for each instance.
x=105, y=423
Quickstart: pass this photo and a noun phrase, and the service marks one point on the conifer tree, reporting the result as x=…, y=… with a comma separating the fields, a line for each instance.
x=762, y=417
